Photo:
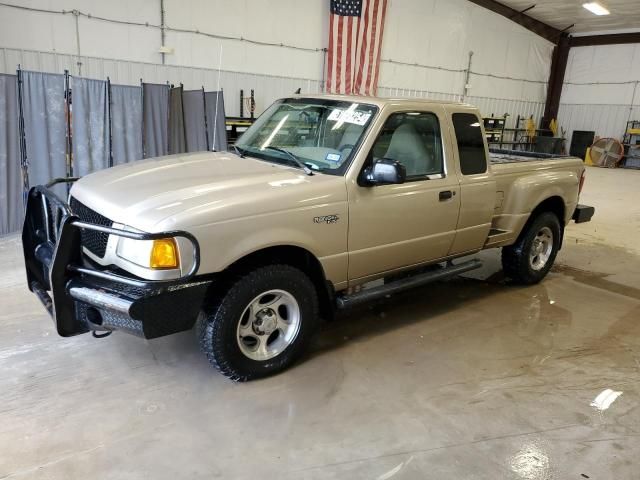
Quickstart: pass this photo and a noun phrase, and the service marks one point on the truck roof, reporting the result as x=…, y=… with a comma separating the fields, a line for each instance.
x=380, y=101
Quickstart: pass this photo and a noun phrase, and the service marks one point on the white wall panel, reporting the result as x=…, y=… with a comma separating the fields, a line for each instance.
x=442, y=32
x=432, y=33
x=605, y=120
x=599, y=89
x=421, y=33
x=488, y=106
x=288, y=22
x=267, y=88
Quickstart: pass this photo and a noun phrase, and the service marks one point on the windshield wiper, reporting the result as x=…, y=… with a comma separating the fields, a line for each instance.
x=293, y=157
x=239, y=151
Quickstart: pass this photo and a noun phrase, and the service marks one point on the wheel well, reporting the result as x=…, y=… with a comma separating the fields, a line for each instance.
x=296, y=257
x=554, y=205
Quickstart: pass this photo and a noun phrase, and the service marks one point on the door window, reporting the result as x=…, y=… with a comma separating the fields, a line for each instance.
x=473, y=157
x=413, y=139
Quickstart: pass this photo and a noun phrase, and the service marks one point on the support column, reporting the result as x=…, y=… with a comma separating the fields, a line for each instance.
x=556, y=79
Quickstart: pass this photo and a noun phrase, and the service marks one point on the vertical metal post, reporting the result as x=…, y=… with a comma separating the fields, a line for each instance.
x=467, y=79
x=241, y=103
x=76, y=15
x=24, y=164
x=253, y=104
x=68, y=111
x=144, y=153
x=162, y=29
x=633, y=98
x=184, y=127
x=324, y=69
x=168, y=115
x=556, y=79
x=206, y=124
x=218, y=90
x=109, y=121
x=215, y=122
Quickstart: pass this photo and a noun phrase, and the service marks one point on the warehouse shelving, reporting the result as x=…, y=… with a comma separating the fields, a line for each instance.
x=631, y=143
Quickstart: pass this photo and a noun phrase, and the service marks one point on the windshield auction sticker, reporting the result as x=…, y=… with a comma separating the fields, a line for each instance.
x=349, y=116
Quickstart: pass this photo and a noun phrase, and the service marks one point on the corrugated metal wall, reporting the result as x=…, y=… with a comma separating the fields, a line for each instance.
x=605, y=120
x=267, y=88
x=487, y=106
x=601, y=90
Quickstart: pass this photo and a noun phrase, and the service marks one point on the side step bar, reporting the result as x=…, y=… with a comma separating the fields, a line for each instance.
x=348, y=301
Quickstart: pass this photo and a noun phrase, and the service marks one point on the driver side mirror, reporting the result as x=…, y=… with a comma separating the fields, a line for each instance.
x=385, y=172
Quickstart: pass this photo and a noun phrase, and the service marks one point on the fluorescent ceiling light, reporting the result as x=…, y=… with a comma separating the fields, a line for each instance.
x=596, y=8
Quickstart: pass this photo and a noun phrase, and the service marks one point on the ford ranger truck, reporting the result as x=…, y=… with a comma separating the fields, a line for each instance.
x=325, y=203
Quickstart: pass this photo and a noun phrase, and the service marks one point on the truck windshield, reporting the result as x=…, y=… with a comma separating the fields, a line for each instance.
x=322, y=134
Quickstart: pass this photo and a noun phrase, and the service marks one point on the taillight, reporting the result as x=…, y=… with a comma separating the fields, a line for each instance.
x=581, y=182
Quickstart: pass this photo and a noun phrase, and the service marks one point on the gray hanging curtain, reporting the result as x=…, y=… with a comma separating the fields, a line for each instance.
x=43, y=106
x=126, y=123
x=90, y=127
x=10, y=172
x=216, y=128
x=194, y=126
x=155, y=115
x=177, y=143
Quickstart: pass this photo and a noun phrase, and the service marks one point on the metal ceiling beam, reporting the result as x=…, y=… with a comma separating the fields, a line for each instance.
x=536, y=26
x=612, y=39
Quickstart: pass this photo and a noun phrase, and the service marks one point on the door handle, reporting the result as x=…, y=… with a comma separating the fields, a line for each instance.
x=446, y=195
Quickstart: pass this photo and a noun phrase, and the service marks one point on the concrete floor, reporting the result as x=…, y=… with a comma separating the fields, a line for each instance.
x=470, y=379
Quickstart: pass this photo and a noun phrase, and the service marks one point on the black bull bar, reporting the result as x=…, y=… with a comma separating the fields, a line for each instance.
x=83, y=297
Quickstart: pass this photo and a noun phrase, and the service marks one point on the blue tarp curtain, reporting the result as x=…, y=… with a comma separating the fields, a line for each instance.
x=110, y=125
x=90, y=125
x=155, y=119
x=43, y=106
x=10, y=170
x=177, y=141
x=194, y=120
x=126, y=123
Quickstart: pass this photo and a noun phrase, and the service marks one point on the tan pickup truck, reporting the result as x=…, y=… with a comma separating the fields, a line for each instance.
x=324, y=203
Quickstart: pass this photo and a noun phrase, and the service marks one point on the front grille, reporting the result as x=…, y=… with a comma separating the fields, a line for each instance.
x=95, y=242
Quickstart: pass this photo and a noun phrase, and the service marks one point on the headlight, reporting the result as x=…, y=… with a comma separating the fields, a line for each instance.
x=157, y=254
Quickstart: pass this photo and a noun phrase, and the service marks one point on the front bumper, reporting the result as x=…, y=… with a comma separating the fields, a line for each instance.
x=81, y=298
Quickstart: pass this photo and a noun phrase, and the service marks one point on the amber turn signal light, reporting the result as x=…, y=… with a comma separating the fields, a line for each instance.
x=164, y=254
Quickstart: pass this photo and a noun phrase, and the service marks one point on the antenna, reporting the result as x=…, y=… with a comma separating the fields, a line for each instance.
x=215, y=118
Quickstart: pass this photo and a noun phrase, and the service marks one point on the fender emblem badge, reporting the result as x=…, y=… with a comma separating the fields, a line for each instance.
x=328, y=219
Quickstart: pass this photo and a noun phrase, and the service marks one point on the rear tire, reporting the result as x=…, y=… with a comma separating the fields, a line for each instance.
x=529, y=260
x=261, y=324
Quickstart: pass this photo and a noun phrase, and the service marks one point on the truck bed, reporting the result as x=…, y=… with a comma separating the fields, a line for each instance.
x=499, y=156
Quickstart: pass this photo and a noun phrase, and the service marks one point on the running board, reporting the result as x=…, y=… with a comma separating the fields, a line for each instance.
x=364, y=296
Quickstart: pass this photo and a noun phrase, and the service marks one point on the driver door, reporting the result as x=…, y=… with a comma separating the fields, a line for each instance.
x=393, y=227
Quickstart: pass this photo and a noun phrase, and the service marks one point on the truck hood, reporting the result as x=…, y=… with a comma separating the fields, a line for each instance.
x=181, y=191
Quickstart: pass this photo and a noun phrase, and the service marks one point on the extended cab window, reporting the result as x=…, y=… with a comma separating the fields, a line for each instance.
x=413, y=139
x=473, y=158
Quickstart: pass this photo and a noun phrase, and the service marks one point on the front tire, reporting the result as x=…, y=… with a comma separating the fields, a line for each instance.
x=529, y=260
x=261, y=324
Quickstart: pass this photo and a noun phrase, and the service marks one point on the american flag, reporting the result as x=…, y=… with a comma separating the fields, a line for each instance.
x=355, y=41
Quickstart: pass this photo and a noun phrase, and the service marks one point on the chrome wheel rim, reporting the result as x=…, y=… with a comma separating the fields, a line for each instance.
x=541, y=249
x=268, y=325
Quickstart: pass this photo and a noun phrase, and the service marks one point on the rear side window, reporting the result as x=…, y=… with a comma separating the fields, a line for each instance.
x=473, y=158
